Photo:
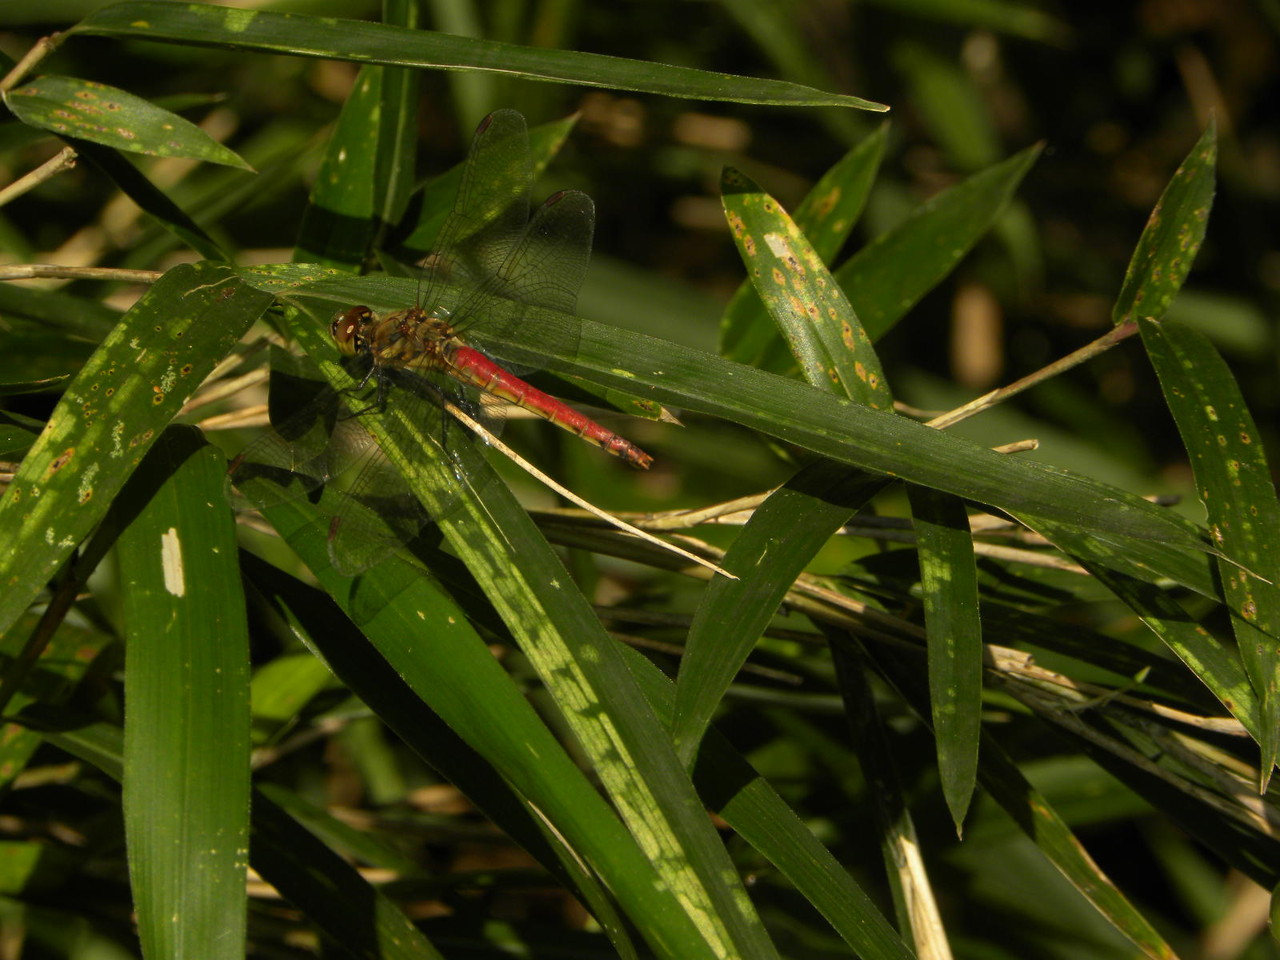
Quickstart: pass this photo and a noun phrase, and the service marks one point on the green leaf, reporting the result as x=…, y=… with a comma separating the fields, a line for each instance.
x=367, y=169
x=888, y=276
x=1171, y=238
x=186, y=754
x=97, y=113
x=735, y=791
x=429, y=676
x=110, y=415
x=580, y=666
x=826, y=215
x=1117, y=527
x=335, y=897
x=1234, y=482
x=545, y=142
x=134, y=184
x=334, y=39
x=949, y=582
x=1217, y=667
x=812, y=311
x=772, y=549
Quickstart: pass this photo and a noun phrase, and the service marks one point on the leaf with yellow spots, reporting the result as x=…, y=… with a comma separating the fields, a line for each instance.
x=84, y=110
x=808, y=306
x=1172, y=237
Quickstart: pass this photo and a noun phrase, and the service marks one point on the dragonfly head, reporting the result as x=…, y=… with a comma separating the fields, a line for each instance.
x=347, y=330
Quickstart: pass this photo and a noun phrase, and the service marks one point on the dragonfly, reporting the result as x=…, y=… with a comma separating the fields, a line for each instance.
x=494, y=265
x=505, y=261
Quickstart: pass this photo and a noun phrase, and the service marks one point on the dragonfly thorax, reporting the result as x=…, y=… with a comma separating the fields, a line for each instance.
x=414, y=338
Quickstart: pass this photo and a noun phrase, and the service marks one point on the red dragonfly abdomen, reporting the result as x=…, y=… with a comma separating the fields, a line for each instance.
x=473, y=367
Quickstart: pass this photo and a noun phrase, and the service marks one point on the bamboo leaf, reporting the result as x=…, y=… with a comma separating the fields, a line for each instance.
x=888, y=276
x=334, y=39
x=1234, y=482
x=110, y=415
x=773, y=548
x=809, y=308
x=949, y=583
x=1114, y=526
x=1171, y=238
x=827, y=216
x=186, y=754
x=367, y=169
x=85, y=110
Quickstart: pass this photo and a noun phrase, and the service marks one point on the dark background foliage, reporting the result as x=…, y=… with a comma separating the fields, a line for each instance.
x=1117, y=92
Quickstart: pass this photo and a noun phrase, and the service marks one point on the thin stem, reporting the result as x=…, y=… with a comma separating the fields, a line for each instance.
x=462, y=417
x=39, y=50
x=28, y=271
x=1087, y=352
x=65, y=159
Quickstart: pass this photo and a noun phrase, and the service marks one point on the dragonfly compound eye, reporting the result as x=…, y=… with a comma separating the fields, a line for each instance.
x=347, y=327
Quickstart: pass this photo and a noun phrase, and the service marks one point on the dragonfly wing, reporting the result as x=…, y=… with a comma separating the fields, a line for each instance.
x=375, y=514
x=293, y=459
x=545, y=269
x=491, y=211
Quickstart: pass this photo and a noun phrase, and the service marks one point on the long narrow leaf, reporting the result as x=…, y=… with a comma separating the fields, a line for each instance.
x=1172, y=237
x=367, y=173
x=466, y=718
x=113, y=118
x=186, y=754
x=827, y=215
x=813, y=313
x=888, y=276
x=735, y=791
x=1234, y=482
x=362, y=42
x=782, y=536
x=109, y=417
x=1121, y=528
x=949, y=583
x=1230, y=466
x=559, y=633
